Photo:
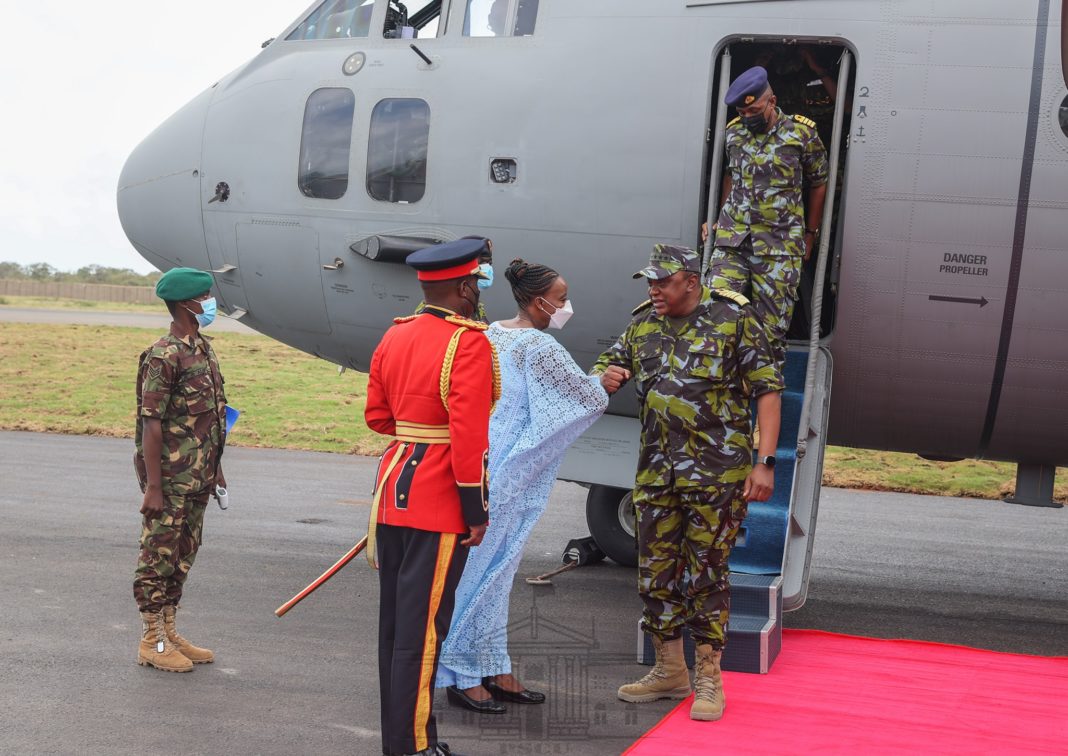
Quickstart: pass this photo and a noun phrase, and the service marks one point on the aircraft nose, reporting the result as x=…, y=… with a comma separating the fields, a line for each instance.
x=159, y=193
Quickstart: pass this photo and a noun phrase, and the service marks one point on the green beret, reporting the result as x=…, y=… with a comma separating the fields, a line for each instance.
x=180, y=284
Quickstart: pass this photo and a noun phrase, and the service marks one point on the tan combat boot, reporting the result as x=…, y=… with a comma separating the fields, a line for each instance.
x=189, y=651
x=156, y=650
x=708, y=698
x=667, y=679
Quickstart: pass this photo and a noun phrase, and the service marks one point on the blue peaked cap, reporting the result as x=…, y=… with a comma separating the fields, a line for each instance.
x=747, y=87
x=452, y=260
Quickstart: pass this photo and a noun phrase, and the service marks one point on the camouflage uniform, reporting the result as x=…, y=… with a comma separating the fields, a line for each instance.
x=179, y=383
x=695, y=383
x=760, y=236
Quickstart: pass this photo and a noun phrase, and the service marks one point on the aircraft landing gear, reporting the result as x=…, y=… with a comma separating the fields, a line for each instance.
x=610, y=515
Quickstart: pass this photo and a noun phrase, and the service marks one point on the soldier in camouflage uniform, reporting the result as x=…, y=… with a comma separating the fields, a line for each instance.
x=181, y=411
x=698, y=357
x=761, y=236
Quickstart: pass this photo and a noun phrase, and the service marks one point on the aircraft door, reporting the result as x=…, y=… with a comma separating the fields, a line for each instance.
x=281, y=272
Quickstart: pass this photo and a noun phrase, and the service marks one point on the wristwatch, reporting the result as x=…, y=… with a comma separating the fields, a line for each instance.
x=769, y=461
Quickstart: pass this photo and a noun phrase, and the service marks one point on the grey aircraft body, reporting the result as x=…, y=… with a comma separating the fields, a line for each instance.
x=578, y=133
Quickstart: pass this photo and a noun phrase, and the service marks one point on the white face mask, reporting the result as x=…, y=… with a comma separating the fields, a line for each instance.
x=560, y=316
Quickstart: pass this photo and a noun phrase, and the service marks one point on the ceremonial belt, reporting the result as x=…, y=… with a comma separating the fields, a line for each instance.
x=420, y=433
x=408, y=433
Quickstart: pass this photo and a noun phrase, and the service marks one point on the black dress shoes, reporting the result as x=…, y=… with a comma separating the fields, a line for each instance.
x=513, y=696
x=458, y=698
x=439, y=749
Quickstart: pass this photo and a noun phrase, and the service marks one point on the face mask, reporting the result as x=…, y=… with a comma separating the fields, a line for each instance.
x=560, y=316
x=208, y=316
x=756, y=124
x=487, y=270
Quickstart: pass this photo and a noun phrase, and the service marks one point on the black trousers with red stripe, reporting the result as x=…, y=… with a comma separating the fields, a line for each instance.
x=418, y=574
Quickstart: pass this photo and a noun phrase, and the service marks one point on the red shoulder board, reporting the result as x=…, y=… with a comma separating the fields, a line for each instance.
x=405, y=319
x=472, y=325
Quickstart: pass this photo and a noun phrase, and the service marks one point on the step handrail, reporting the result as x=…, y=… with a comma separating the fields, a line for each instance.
x=824, y=250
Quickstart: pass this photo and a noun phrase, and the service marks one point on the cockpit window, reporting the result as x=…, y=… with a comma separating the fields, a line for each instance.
x=500, y=18
x=336, y=19
x=325, y=142
x=397, y=150
x=415, y=19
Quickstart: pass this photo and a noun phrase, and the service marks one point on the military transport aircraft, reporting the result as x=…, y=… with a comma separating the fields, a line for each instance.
x=580, y=132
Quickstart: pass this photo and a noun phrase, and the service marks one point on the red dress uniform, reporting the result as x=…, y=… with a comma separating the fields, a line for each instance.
x=432, y=385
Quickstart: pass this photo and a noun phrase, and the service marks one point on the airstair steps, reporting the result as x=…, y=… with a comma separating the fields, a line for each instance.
x=763, y=538
x=754, y=634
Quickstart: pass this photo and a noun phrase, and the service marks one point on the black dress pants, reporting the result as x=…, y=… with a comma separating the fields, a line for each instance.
x=418, y=574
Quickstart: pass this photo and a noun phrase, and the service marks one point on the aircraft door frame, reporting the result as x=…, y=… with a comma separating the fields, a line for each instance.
x=723, y=62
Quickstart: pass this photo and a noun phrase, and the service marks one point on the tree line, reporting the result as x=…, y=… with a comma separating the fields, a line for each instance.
x=96, y=274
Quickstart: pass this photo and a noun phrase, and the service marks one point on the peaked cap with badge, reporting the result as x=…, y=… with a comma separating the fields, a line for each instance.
x=444, y=262
x=747, y=88
x=667, y=259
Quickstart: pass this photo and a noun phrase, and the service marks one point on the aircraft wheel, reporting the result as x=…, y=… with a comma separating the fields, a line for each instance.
x=610, y=515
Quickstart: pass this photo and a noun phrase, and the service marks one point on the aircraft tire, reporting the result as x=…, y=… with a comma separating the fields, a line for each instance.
x=610, y=515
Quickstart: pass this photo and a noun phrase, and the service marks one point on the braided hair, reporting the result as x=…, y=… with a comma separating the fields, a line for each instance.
x=529, y=280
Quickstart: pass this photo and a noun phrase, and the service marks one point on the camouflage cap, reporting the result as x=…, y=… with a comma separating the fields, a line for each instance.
x=180, y=284
x=667, y=260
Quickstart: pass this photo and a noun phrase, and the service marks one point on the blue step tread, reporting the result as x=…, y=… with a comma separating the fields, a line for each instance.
x=760, y=546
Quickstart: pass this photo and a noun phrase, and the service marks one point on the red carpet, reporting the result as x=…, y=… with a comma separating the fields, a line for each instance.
x=831, y=693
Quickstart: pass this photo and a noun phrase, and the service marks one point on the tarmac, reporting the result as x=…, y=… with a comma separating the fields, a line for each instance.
x=10, y=314
x=979, y=573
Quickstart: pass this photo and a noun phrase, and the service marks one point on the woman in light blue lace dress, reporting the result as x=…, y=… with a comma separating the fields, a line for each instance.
x=547, y=402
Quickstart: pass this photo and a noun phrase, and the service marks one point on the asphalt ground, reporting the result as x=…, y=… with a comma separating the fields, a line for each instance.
x=124, y=319
x=978, y=573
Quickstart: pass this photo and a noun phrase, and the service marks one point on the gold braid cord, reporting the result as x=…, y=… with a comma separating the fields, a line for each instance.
x=471, y=325
x=445, y=381
x=496, y=378
x=446, y=367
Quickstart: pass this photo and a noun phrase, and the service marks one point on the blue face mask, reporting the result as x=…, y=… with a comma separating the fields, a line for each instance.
x=487, y=270
x=208, y=316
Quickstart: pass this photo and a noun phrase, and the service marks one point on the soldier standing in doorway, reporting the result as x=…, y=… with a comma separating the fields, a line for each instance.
x=432, y=384
x=772, y=203
x=698, y=358
x=181, y=427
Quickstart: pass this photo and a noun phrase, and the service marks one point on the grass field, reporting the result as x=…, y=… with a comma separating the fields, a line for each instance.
x=80, y=379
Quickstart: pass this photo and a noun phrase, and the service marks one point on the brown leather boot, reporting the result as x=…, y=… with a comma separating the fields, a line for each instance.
x=708, y=699
x=193, y=653
x=156, y=650
x=667, y=679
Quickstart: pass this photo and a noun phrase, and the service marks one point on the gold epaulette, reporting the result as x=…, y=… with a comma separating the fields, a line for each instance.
x=807, y=121
x=643, y=306
x=472, y=325
x=733, y=296
x=734, y=121
x=405, y=319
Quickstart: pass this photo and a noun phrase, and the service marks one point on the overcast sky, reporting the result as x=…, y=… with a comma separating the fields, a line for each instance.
x=85, y=82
